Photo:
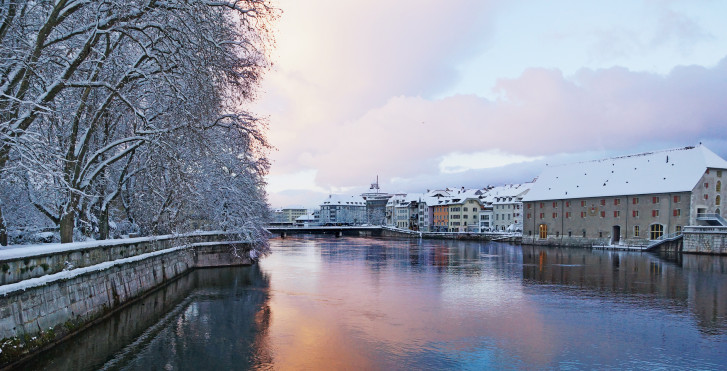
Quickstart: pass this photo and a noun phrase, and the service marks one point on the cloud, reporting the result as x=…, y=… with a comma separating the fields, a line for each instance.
x=358, y=90
x=542, y=113
x=457, y=162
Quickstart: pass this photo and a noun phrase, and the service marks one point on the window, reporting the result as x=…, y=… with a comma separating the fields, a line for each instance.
x=603, y=202
x=464, y=209
x=718, y=187
x=706, y=185
x=677, y=212
x=635, y=200
x=583, y=214
x=679, y=229
x=636, y=231
x=677, y=199
x=569, y=233
x=603, y=214
x=529, y=205
x=567, y=214
x=542, y=205
x=655, y=199
x=616, y=214
x=706, y=197
x=555, y=204
x=555, y=215
x=584, y=233
x=719, y=173
x=542, y=215
x=528, y=215
x=635, y=213
x=557, y=234
x=654, y=213
x=583, y=203
x=543, y=231
x=656, y=231
x=617, y=201
x=600, y=234
x=717, y=200
x=567, y=204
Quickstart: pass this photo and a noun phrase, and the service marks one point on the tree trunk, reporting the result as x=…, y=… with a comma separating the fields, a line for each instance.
x=67, y=224
x=3, y=230
x=103, y=227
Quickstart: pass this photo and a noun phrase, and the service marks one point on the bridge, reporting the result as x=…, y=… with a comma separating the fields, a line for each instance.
x=385, y=231
x=338, y=231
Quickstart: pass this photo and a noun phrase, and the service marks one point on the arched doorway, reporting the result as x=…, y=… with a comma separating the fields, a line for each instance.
x=615, y=235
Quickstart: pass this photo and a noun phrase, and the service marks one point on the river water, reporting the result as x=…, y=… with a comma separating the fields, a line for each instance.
x=357, y=303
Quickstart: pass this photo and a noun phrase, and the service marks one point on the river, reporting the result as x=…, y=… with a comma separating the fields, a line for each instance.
x=365, y=303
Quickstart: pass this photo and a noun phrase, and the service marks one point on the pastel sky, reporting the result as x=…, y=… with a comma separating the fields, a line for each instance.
x=429, y=94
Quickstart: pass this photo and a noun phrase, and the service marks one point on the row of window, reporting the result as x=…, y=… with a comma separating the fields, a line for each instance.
x=616, y=214
x=616, y=202
x=655, y=231
x=718, y=188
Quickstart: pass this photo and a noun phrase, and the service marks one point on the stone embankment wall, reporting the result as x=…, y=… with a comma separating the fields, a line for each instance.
x=38, y=311
x=705, y=240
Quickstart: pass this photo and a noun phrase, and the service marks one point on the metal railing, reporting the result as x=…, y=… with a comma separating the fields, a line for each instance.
x=712, y=216
x=704, y=229
x=663, y=238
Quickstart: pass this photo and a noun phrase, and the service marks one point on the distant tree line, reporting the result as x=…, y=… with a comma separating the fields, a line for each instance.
x=126, y=116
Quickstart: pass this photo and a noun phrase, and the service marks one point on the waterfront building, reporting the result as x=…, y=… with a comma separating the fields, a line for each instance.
x=390, y=205
x=506, y=203
x=625, y=200
x=407, y=212
x=486, y=219
x=339, y=209
x=464, y=209
x=427, y=205
x=376, y=204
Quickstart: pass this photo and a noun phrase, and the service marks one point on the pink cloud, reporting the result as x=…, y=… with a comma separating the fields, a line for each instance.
x=542, y=113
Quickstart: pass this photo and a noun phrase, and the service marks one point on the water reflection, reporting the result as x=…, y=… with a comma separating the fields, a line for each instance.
x=186, y=324
x=358, y=303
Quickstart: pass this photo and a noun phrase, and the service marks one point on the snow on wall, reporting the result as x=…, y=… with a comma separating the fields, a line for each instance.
x=20, y=263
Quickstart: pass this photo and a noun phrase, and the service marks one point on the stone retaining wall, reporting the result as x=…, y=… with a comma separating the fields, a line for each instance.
x=39, y=311
x=698, y=242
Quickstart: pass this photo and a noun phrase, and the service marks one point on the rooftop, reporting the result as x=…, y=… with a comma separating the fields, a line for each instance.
x=674, y=170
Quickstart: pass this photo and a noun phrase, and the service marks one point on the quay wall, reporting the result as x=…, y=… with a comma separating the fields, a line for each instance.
x=39, y=311
x=705, y=240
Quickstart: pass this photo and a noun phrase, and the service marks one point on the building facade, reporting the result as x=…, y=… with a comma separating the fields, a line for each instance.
x=626, y=200
x=345, y=210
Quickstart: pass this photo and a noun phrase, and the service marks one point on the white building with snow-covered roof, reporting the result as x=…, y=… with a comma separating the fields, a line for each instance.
x=340, y=209
x=629, y=199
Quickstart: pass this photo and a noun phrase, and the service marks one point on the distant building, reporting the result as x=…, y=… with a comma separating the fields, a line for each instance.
x=630, y=199
x=307, y=220
x=390, y=205
x=464, y=209
x=376, y=204
x=337, y=209
x=287, y=216
x=427, y=204
x=406, y=212
x=506, y=204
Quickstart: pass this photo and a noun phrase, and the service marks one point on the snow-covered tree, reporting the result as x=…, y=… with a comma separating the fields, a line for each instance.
x=98, y=97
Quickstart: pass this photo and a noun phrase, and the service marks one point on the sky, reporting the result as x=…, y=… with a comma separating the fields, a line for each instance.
x=471, y=93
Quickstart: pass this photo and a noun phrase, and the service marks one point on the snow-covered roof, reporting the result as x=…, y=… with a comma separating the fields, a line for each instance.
x=344, y=200
x=674, y=170
x=506, y=193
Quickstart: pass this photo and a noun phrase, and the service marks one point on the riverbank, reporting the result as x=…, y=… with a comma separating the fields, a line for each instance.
x=51, y=292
